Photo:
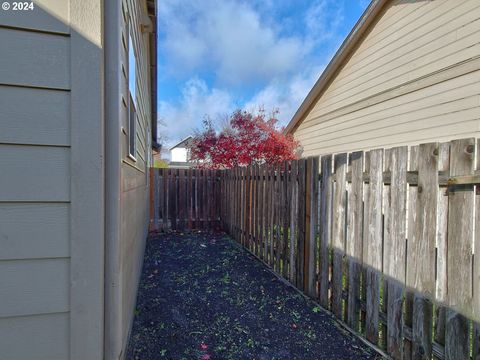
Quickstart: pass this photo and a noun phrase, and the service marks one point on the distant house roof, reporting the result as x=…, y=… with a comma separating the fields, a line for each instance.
x=343, y=53
x=182, y=143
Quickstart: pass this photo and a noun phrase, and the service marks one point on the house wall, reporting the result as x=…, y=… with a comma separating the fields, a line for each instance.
x=51, y=182
x=178, y=155
x=415, y=77
x=127, y=196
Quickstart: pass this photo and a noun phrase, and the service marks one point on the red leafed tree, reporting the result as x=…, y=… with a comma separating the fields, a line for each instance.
x=248, y=138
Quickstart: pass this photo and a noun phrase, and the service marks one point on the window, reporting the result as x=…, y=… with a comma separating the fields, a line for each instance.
x=132, y=129
x=132, y=87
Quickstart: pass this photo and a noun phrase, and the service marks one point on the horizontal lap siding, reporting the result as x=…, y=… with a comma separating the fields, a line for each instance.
x=419, y=49
x=48, y=15
x=35, y=337
x=439, y=110
x=34, y=59
x=34, y=230
x=412, y=79
x=425, y=99
x=29, y=287
x=34, y=116
x=34, y=173
x=35, y=182
x=133, y=230
x=441, y=134
x=134, y=181
x=421, y=46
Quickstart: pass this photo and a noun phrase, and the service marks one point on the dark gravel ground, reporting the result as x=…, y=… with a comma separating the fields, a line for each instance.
x=202, y=296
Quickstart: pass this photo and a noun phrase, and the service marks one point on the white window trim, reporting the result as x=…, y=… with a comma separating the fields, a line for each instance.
x=131, y=101
x=131, y=154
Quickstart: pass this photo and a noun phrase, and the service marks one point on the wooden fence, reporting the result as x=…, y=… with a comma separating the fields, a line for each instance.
x=184, y=199
x=384, y=239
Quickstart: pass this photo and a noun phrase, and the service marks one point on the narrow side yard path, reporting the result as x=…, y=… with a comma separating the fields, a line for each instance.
x=203, y=297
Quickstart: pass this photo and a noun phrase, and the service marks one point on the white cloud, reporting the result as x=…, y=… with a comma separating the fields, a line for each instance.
x=323, y=19
x=236, y=45
x=197, y=101
x=285, y=96
x=228, y=35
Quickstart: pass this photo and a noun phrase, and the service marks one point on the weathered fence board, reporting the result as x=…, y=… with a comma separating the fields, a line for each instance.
x=373, y=244
x=181, y=199
x=325, y=229
x=293, y=221
x=286, y=219
x=262, y=212
x=301, y=224
x=476, y=269
x=311, y=225
x=394, y=251
x=412, y=257
x=338, y=231
x=441, y=247
x=385, y=239
x=256, y=183
x=277, y=220
x=354, y=244
x=271, y=214
x=459, y=244
x=425, y=238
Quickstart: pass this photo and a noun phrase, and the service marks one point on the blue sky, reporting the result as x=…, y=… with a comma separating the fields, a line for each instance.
x=218, y=56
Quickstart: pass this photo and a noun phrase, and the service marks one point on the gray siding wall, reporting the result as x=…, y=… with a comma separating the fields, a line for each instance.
x=130, y=219
x=35, y=186
x=51, y=182
x=134, y=185
x=415, y=77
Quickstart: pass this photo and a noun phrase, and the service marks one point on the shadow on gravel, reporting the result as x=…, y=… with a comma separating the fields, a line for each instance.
x=202, y=296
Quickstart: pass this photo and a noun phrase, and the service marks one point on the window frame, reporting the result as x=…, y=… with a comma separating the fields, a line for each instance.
x=132, y=129
x=132, y=111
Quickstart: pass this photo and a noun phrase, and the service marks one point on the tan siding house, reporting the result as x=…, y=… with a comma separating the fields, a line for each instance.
x=409, y=72
x=73, y=197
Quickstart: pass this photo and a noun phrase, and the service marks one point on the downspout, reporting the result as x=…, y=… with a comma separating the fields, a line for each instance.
x=113, y=291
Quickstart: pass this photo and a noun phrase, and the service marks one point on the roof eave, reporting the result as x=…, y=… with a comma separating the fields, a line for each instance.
x=342, y=53
x=152, y=14
x=181, y=141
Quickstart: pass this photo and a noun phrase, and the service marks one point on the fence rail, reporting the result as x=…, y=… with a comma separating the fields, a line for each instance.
x=384, y=239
